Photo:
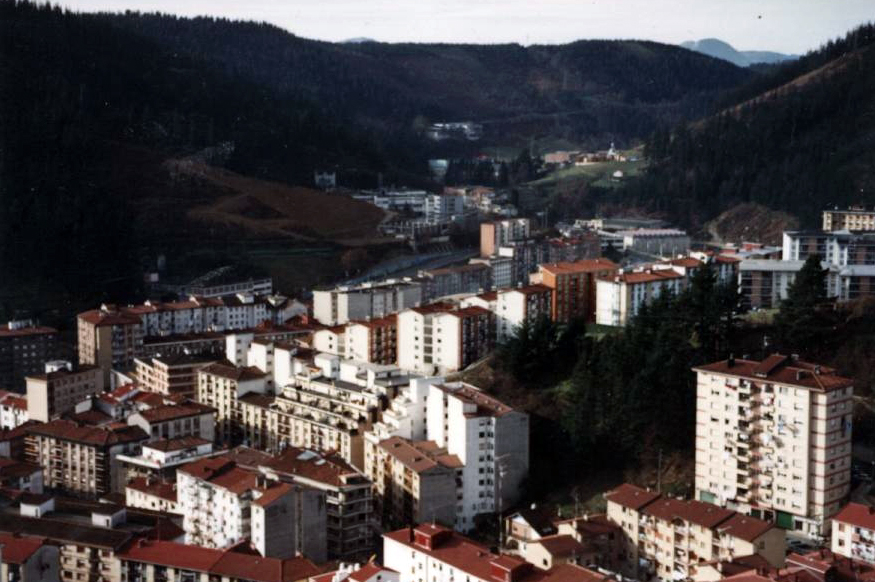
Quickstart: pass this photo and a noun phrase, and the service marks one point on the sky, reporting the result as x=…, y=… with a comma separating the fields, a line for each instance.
x=789, y=26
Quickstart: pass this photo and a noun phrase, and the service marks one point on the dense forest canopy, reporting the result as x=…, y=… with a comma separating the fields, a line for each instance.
x=803, y=139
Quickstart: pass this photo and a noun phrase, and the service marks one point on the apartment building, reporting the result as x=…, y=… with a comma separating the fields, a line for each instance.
x=175, y=421
x=502, y=269
x=620, y=297
x=513, y=307
x=151, y=560
x=351, y=528
x=108, y=337
x=669, y=538
x=840, y=248
x=660, y=242
x=853, y=532
x=60, y=389
x=414, y=481
x=365, y=301
x=223, y=503
x=220, y=386
x=500, y=232
x=525, y=257
x=489, y=438
x=573, y=287
x=853, y=218
x=470, y=278
x=24, y=350
x=174, y=375
x=433, y=553
x=773, y=440
x=601, y=540
x=81, y=459
x=443, y=338
x=374, y=341
x=443, y=208
x=300, y=417
x=82, y=551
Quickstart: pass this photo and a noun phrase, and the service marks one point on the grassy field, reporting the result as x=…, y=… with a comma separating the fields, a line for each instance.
x=597, y=172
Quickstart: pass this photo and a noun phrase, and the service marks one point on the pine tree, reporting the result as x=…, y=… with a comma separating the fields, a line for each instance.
x=800, y=324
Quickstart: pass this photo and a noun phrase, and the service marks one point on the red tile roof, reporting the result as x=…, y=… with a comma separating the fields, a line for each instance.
x=94, y=436
x=583, y=266
x=368, y=571
x=272, y=493
x=486, y=404
x=744, y=527
x=781, y=370
x=704, y=514
x=858, y=515
x=329, y=468
x=561, y=545
x=176, y=444
x=631, y=496
x=26, y=331
x=239, y=374
x=17, y=549
x=176, y=411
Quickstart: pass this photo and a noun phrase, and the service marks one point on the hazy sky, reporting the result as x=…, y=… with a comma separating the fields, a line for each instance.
x=792, y=26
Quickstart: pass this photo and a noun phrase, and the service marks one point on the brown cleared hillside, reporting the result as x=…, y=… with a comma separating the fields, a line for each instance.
x=270, y=209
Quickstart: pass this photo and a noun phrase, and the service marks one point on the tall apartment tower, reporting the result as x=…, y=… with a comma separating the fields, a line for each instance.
x=773, y=439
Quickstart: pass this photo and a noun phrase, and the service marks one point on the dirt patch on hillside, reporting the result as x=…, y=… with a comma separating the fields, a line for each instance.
x=751, y=222
x=265, y=208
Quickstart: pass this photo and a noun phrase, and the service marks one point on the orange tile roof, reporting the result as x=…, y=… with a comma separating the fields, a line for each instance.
x=89, y=435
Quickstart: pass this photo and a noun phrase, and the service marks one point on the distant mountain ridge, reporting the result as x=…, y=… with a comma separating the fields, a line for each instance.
x=714, y=47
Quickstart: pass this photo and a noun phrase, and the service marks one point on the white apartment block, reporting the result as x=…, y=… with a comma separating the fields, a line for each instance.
x=773, y=440
x=223, y=503
x=441, y=338
x=840, y=248
x=13, y=410
x=670, y=538
x=620, y=297
x=489, y=438
x=365, y=301
x=850, y=219
x=513, y=307
x=662, y=242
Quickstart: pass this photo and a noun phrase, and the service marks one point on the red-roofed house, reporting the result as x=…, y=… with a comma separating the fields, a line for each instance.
x=27, y=559
x=853, y=532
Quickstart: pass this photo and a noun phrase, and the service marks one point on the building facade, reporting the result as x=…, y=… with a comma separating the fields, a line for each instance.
x=773, y=440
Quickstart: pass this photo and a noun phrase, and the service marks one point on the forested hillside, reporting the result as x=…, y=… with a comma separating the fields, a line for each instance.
x=798, y=139
x=89, y=115
x=605, y=89
x=96, y=107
